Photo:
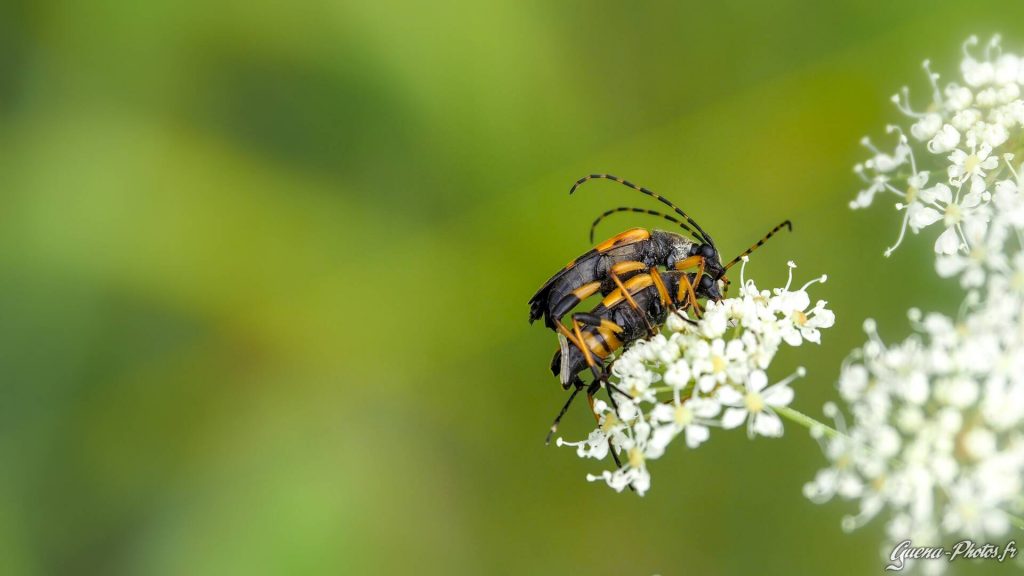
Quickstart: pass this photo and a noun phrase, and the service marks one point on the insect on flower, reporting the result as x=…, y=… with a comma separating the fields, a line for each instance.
x=604, y=268
x=622, y=317
x=637, y=294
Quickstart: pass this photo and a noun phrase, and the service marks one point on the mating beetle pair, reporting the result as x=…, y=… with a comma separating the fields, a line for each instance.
x=638, y=295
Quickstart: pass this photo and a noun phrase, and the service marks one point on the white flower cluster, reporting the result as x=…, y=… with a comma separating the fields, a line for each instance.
x=938, y=427
x=958, y=165
x=700, y=376
x=937, y=431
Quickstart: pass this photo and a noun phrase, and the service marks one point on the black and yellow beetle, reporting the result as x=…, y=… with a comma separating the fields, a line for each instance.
x=603, y=268
x=624, y=316
x=637, y=294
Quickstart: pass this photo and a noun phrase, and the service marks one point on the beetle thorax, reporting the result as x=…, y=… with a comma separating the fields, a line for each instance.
x=674, y=247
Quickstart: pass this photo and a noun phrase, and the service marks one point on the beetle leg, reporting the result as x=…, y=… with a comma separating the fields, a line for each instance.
x=602, y=337
x=662, y=290
x=623, y=267
x=697, y=279
x=691, y=296
x=570, y=336
x=573, y=298
x=605, y=339
x=586, y=349
x=632, y=303
x=685, y=264
x=576, y=338
x=577, y=386
x=666, y=298
x=591, y=391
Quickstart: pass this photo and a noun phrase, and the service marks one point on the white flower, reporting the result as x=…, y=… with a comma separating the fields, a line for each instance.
x=875, y=183
x=1009, y=203
x=958, y=97
x=883, y=162
x=691, y=417
x=948, y=138
x=676, y=386
x=941, y=205
x=805, y=324
x=927, y=126
x=983, y=253
x=970, y=165
x=717, y=361
x=595, y=446
x=977, y=73
x=753, y=404
x=970, y=514
x=935, y=437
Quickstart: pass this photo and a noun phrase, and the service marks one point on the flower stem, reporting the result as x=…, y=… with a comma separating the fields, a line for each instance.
x=805, y=420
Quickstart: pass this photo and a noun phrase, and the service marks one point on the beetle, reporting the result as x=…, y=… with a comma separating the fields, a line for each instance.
x=637, y=294
x=624, y=316
x=604, y=268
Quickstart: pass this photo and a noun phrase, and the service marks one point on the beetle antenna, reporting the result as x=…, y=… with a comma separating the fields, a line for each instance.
x=641, y=211
x=704, y=235
x=785, y=223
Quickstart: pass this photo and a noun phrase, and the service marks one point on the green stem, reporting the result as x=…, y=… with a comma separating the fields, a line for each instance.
x=787, y=413
x=806, y=421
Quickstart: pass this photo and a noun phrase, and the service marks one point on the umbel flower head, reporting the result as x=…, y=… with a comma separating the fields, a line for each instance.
x=958, y=171
x=695, y=377
x=937, y=432
x=938, y=428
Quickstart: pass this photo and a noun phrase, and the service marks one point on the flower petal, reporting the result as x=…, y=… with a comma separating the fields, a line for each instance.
x=733, y=417
x=768, y=424
x=696, y=435
x=730, y=396
x=923, y=217
x=758, y=381
x=948, y=242
x=778, y=395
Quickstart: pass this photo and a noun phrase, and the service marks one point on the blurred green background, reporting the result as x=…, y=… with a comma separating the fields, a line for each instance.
x=265, y=272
